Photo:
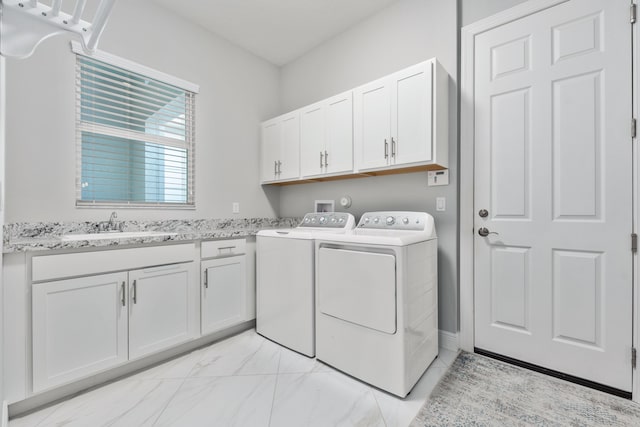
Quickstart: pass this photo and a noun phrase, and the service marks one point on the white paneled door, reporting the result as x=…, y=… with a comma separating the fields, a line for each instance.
x=553, y=176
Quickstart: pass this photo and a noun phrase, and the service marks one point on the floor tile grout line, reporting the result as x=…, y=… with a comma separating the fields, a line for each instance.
x=275, y=387
x=375, y=399
x=173, y=396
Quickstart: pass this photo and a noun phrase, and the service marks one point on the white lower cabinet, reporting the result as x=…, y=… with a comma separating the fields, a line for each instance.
x=79, y=328
x=162, y=304
x=223, y=299
x=86, y=325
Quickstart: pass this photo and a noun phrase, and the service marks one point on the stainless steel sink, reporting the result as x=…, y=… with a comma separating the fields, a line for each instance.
x=115, y=235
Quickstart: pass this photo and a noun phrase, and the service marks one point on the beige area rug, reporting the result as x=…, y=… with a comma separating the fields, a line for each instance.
x=479, y=391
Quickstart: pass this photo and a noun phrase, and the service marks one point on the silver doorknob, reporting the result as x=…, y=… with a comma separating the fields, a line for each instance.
x=483, y=213
x=484, y=232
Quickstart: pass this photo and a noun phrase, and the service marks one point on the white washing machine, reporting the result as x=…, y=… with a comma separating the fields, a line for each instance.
x=285, y=276
x=377, y=299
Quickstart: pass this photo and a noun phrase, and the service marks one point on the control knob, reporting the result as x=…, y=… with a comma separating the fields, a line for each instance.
x=405, y=220
x=323, y=220
x=391, y=220
x=376, y=220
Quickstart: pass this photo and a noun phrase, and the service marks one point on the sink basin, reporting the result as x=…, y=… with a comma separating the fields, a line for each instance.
x=105, y=236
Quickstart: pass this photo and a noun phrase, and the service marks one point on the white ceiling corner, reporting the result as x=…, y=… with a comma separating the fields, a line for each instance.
x=277, y=30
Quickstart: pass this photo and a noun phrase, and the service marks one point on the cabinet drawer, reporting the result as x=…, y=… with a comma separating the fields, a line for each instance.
x=223, y=248
x=51, y=267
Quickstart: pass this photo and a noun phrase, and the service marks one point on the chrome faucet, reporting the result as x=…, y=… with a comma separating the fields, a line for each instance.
x=112, y=219
x=111, y=225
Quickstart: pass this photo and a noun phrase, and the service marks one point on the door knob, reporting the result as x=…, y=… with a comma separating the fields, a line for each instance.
x=483, y=213
x=484, y=232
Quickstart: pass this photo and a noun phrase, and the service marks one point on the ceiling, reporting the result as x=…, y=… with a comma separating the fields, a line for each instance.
x=276, y=30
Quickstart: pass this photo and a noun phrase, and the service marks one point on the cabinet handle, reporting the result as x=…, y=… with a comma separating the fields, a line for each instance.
x=326, y=158
x=206, y=279
x=321, y=159
x=122, y=299
x=135, y=292
x=279, y=167
x=393, y=147
x=275, y=167
x=221, y=248
x=386, y=149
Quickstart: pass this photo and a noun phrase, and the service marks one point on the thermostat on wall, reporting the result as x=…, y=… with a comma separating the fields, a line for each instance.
x=440, y=177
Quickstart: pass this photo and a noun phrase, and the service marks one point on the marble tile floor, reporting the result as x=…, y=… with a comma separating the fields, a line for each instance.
x=245, y=380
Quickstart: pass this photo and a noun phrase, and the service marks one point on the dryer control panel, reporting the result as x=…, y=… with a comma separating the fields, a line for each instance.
x=328, y=220
x=396, y=220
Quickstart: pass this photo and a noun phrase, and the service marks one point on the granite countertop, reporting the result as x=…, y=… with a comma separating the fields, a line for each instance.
x=44, y=236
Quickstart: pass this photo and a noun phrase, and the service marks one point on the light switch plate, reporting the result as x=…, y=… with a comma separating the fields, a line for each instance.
x=440, y=177
x=235, y=207
x=441, y=204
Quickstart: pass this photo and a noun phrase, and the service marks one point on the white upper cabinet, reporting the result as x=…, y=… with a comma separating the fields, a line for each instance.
x=326, y=136
x=395, y=124
x=401, y=120
x=281, y=148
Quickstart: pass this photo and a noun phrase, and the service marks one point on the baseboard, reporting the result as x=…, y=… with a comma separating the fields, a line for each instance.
x=5, y=414
x=448, y=340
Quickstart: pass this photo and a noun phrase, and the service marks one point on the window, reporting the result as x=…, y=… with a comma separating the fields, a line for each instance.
x=135, y=135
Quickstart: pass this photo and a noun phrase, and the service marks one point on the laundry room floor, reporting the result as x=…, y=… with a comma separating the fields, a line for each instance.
x=245, y=380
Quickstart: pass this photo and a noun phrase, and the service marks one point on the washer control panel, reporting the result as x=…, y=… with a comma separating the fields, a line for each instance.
x=394, y=220
x=328, y=220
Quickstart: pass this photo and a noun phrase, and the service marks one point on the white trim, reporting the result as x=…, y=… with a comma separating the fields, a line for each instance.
x=77, y=48
x=468, y=35
x=5, y=414
x=447, y=340
x=635, y=39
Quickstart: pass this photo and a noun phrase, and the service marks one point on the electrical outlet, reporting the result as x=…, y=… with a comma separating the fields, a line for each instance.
x=235, y=207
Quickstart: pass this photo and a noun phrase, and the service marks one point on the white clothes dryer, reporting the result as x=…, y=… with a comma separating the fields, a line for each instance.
x=377, y=299
x=285, y=279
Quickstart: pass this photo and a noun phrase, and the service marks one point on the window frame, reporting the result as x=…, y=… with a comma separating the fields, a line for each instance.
x=188, y=143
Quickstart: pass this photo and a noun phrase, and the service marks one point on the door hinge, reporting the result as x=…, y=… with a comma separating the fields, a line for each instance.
x=633, y=358
x=634, y=128
x=633, y=13
x=634, y=242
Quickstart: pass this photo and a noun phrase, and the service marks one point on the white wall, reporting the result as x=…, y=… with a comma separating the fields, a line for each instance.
x=407, y=32
x=474, y=10
x=237, y=91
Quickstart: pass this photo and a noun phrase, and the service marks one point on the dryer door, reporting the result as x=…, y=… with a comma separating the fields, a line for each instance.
x=358, y=287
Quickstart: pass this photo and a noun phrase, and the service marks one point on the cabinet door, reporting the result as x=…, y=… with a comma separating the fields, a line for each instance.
x=271, y=135
x=79, y=328
x=223, y=300
x=372, y=121
x=411, y=115
x=339, y=133
x=312, y=140
x=290, y=147
x=162, y=309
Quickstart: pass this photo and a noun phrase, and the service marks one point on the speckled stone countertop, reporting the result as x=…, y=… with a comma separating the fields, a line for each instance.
x=43, y=236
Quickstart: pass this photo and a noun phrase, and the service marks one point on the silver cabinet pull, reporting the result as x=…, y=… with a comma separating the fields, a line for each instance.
x=206, y=278
x=393, y=147
x=122, y=299
x=326, y=158
x=135, y=292
x=386, y=149
x=221, y=248
x=321, y=159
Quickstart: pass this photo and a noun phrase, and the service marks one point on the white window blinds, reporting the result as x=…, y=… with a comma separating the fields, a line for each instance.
x=135, y=138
